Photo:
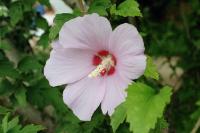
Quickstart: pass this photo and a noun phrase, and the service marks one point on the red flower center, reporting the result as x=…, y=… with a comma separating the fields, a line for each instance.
x=105, y=63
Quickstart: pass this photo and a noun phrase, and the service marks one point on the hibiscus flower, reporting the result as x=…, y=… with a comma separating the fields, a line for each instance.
x=96, y=63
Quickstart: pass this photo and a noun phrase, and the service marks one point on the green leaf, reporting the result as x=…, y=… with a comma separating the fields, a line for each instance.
x=59, y=20
x=3, y=10
x=6, y=87
x=126, y=8
x=197, y=43
x=15, y=12
x=13, y=123
x=96, y=121
x=41, y=23
x=195, y=115
x=5, y=45
x=198, y=103
x=4, y=30
x=99, y=6
x=69, y=128
x=4, y=110
x=15, y=129
x=32, y=129
x=144, y=106
x=42, y=94
x=118, y=117
x=5, y=123
x=28, y=6
x=151, y=70
x=160, y=126
x=20, y=95
x=7, y=69
x=13, y=126
x=45, y=2
x=44, y=40
x=29, y=63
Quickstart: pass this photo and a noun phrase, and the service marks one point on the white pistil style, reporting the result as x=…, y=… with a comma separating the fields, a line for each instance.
x=106, y=63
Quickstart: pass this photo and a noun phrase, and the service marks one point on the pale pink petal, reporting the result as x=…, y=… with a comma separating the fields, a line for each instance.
x=84, y=96
x=128, y=47
x=115, y=93
x=87, y=32
x=131, y=67
x=125, y=39
x=67, y=65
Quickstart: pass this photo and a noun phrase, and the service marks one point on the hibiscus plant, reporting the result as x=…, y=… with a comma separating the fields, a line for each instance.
x=94, y=67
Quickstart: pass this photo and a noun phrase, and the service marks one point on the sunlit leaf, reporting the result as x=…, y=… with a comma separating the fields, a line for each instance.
x=126, y=8
x=151, y=70
x=5, y=123
x=13, y=123
x=144, y=106
x=118, y=117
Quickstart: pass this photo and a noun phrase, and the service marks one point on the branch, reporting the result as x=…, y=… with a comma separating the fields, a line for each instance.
x=196, y=126
x=82, y=7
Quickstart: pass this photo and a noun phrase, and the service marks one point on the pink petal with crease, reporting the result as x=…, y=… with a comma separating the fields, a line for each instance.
x=125, y=40
x=84, y=96
x=88, y=32
x=67, y=65
x=115, y=93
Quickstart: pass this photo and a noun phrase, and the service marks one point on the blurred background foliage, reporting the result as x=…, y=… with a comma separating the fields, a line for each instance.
x=171, y=32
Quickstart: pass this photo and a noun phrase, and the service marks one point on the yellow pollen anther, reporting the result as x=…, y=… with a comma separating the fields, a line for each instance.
x=106, y=63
